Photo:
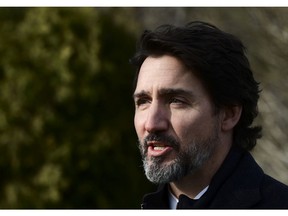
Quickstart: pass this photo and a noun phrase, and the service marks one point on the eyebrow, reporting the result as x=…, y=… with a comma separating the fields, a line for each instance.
x=165, y=92
x=140, y=94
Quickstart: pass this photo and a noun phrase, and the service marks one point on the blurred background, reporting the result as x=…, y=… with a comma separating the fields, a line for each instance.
x=67, y=137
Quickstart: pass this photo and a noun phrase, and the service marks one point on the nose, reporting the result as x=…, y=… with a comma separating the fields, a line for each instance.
x=157, y=118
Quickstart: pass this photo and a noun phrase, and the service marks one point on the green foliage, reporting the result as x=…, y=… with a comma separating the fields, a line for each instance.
x=66, y=113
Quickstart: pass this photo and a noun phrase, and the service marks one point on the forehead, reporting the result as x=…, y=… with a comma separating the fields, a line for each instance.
x=164, y=72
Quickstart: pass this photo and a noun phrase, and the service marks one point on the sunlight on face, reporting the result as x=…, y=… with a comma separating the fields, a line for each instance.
x=174, y=120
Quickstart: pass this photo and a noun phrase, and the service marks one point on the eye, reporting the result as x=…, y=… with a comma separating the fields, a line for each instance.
x=178, y=102
x=139, y=102
x=175, y=100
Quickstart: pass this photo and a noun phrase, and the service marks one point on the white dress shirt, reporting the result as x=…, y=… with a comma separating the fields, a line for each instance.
x=173, y=200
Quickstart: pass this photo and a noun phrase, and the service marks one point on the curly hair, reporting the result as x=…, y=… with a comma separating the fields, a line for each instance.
x=218, y=59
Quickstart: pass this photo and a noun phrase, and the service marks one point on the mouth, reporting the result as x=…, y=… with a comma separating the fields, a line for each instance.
x=156, y=148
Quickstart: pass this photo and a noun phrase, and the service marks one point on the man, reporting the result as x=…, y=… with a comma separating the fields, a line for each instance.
x=196, y=99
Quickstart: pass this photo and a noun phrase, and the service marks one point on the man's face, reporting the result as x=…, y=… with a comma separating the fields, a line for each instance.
x=174, y=119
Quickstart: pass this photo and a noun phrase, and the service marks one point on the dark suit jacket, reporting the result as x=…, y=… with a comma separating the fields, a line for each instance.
x=239, y=184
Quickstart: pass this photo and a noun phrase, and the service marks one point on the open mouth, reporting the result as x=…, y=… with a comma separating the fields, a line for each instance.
x=156, y=148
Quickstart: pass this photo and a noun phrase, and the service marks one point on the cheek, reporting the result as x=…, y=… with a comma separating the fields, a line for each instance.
x=139, y=125
x=191, y=126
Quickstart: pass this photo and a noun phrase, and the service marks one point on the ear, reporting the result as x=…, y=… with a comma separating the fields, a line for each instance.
x=231, y=116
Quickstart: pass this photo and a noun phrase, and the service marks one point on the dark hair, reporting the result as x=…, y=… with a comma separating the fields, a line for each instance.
x=218, y=59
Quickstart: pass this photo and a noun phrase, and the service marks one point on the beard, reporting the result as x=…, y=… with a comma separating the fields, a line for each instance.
x=188, y=159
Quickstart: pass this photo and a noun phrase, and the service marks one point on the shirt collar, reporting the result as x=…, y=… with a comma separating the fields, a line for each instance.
x=173, y=200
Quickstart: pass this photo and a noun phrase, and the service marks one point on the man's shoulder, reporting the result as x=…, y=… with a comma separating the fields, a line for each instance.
x=253, y=188
x=268, y=184
x=273, y=187
x=274, y=194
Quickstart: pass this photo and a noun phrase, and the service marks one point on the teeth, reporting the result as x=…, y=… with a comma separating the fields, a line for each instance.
x=158, y=148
